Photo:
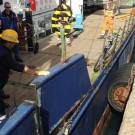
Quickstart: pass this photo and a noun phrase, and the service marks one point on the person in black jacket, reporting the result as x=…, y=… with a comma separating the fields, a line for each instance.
x=8, y=20
x=9, y=39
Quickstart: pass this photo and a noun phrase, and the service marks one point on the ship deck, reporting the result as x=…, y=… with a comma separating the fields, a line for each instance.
x=50, y=54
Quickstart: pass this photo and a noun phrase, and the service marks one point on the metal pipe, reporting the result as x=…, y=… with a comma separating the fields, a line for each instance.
x=63, y=45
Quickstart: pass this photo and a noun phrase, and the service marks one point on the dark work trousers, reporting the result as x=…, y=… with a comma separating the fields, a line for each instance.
x=16, y=52
x=2, y=108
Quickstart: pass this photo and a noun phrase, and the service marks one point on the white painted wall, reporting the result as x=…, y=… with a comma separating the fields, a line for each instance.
x=42, y=15
x=75, y=6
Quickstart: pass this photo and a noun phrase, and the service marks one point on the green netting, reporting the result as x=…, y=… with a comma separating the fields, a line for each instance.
x=129, y=2
x=126, y=2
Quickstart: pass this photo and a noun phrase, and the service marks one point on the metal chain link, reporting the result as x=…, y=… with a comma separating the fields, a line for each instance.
x=128, y=87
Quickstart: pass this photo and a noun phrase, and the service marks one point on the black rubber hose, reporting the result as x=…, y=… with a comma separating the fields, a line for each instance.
x=120, y=80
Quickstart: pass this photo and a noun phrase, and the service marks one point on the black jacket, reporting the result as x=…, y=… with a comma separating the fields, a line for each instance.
x=7, y=62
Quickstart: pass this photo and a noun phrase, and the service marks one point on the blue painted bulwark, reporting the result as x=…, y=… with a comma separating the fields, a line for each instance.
x=86, y=120
x=61, y=89
x=21, y=122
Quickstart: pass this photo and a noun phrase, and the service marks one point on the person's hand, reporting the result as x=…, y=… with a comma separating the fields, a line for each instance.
x=42, y=72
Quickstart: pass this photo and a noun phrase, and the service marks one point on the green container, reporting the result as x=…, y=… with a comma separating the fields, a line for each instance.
x=48, y=32
x=41, y=35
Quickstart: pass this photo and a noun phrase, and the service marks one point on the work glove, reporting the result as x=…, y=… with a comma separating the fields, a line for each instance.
x=42, y=72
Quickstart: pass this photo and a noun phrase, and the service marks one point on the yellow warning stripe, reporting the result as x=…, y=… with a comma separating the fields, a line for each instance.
x=54, y=19
x=122, y=16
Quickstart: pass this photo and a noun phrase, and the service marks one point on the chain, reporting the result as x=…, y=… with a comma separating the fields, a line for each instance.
x=67, y=129
x=128, y=87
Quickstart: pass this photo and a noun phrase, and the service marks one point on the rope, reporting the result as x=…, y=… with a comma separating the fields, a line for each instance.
x=16, y=88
